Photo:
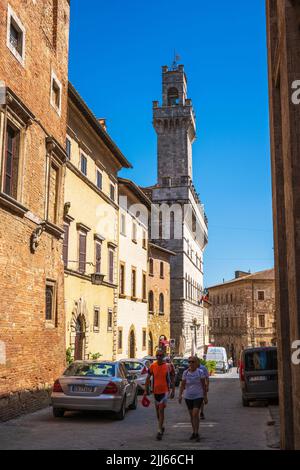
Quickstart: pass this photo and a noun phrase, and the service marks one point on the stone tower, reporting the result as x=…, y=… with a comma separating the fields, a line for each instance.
x=182, y=226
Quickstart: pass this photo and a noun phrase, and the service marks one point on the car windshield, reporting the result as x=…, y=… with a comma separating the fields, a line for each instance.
x=102, y=369
x=260, y=360
x=133, y=365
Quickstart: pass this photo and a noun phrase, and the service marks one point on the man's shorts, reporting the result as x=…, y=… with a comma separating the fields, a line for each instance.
x=194, y=404
x=161, y=400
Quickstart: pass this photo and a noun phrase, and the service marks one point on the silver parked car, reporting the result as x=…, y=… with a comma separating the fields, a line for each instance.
x=138, y=368
x=95, y=385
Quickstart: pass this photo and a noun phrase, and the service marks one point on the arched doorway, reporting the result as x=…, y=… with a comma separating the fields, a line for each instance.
x=79, y=351
x=150, y=345
x=132, y=343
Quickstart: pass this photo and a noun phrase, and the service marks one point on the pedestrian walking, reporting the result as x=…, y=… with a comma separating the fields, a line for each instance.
x=163, y=387
x=204, y=369
x=194, y=389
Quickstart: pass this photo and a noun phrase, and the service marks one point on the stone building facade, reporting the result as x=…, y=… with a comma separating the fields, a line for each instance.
x=283, y=28
x=179, y=224
x=159, y=289
x=133, y=265
x=242, y=312
x=91, y=243
x=34, y=38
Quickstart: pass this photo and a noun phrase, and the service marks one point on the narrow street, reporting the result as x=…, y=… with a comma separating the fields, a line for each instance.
x=227, y=426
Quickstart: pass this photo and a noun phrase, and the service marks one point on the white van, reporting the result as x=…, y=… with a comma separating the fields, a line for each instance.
x=219, y=355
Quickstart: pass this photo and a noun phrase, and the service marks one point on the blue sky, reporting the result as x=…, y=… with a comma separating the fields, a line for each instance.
x=116, y=52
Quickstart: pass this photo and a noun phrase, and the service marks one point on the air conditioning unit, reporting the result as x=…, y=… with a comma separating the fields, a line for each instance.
x=97, y=279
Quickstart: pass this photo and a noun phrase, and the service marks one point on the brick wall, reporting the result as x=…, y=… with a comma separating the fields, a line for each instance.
x=35, y=348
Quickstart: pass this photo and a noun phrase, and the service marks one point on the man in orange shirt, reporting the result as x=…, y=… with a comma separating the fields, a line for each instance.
x=162, y=382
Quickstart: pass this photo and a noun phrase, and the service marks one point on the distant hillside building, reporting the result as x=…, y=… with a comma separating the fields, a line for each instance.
x=242, y=312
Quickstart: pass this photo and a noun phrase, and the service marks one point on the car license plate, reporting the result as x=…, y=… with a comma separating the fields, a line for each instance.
x=259, y=378
x=82, y=389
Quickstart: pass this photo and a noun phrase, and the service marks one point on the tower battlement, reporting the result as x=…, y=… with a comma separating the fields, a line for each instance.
x=175, y=124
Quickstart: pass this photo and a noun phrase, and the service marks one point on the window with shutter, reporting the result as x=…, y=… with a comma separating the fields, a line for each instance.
x=111, y=257
x=133, y=283
x=82, y=252
x=83, y=164
x=109, y=319
x=98, y=257
x=68, y=148
x=122, y=279
x=99, y=180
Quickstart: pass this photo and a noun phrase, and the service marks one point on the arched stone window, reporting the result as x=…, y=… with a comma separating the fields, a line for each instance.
x=151, y=302
x=172, y=226
x=151, y=267
x=161, y=304
x=173, y=97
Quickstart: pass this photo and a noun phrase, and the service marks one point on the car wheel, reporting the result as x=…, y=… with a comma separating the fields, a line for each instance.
x=120, y=415
x=134, y=404
x=245, y=402
x=58, y=412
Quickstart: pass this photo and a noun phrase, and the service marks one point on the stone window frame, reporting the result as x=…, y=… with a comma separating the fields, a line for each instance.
x=111, y=269
x=83, y=157
x=96, y=328
x=55, y=81
x=12, y=16
x=161, y=303
x=122, y=291
x=162, y=270
x=98, y=244
x=261, y=291
x=151, y=311
x=151, y=267
x=264, y=317
x=99, y=172
x=53, y=159
x=68, y=147
x=20, y=118
x=110, y=320
x=134, y=284
x=120, y=336
x=51, y=322
x=16, y=124
x=82, y=231
x=112, y=191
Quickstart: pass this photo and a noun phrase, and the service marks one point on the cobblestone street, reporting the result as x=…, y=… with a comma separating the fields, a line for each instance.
x=227, y=426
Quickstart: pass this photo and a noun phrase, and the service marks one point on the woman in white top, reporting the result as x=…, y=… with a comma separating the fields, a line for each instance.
x=194, y=387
